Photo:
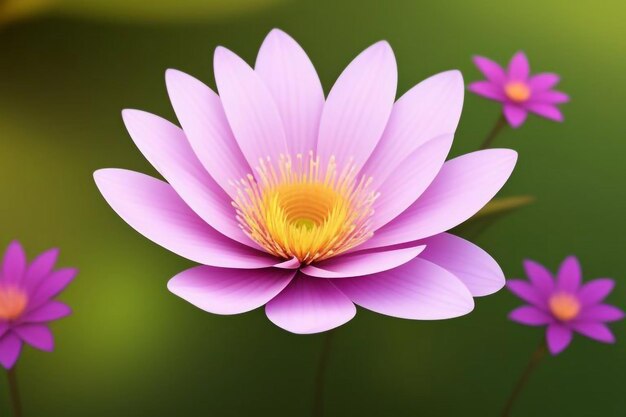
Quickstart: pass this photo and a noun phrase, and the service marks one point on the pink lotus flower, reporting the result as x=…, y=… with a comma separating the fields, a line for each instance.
x=518, y=91
x=564, y=305
x=309, y=205
x=26, y=301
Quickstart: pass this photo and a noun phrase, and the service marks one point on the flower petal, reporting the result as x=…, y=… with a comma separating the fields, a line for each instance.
x=229, y=291
x=409, y=180
x=549, y=97
x=519, y=68
x=202, y=117
x=153, y=208
x=595, y=291
x=359, y=264
x=558, y=338
x=549, y=111
x=462, y=187
x=570, y=275
x=487, y=89
x=490, y=69
x=358, y=107
x=250, y=108
x=476, y=269
x=166, y=147
x=543, y=81
x=601, y=312
x=426, y=111
x=530, y=316
x=514, y=114
x=540, y=276
x=310, y=305
x=418, y=290
x=14, y=263
x=595, y=331
x=527, y=292
x=292, y=80
x=52, y=310
x=4, y=327
x=51, y=286
x=40, y=267
x=10, y=347
x=37, y=335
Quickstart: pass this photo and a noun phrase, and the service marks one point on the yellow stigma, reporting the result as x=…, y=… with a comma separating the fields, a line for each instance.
x=517, y=91
x=13, y=302
x=300, y=209
x=564, y=306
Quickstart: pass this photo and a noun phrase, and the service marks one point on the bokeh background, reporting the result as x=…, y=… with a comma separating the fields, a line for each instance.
x=67, y=68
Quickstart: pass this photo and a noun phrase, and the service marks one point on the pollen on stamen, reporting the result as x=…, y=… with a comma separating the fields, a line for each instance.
x=297, y=208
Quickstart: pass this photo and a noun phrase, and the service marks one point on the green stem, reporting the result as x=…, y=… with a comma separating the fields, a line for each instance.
x=536, y=357
x=320, y=377
x=495, y=131
x=14, y=393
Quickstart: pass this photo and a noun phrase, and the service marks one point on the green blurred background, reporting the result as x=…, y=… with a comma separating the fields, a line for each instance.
x=133, y=349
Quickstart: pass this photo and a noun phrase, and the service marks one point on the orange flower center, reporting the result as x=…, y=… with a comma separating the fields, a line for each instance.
x=517, y=91
x=298, y=208
x=564, y=306
x=13, y=302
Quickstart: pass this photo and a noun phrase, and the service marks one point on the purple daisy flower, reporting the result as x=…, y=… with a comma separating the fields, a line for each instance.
x=564, y=304
x=26, y=301
x=518, y=91
x=310, y=204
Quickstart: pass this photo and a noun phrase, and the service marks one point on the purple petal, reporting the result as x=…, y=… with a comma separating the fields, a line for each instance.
x=462, y=187
x=52, y=310
x=548, y=111
x=595, y=291
x=514, y=114
x=10, y=347
x=540, y=276
x=426, y=111
x=490, y=69
x=409, y=180
x=595, y=331
x=310, y=305
x=36, y=335
x=153, y=208
x=473, y=266
x=202, y=117
x=359, y=264
x=250, y=108
x=543, y=81
x=569, y=276
x=40, y=267
x=166, y=147
x=558, y=338
x=487, y=89
x=530, y=316
x=601, y=312
x=358, y=107
x=418, y=290
x=292, y=80
x=51, y=286
x=14, y=263
x=527, y=292
x=4, y=327
x=519, y=68
x=549, y=97
x=229, y=291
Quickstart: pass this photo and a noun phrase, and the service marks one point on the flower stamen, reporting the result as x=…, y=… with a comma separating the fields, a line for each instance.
x=13, y=301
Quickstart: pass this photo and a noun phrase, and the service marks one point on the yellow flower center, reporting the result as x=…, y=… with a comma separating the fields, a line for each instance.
x=517, y=91
x=13, y=302
x=564, y=306
x=301, y=209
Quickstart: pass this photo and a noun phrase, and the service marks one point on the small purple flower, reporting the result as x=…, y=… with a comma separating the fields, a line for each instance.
x=564, y=305
x=26, y=301
x=518, y=91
